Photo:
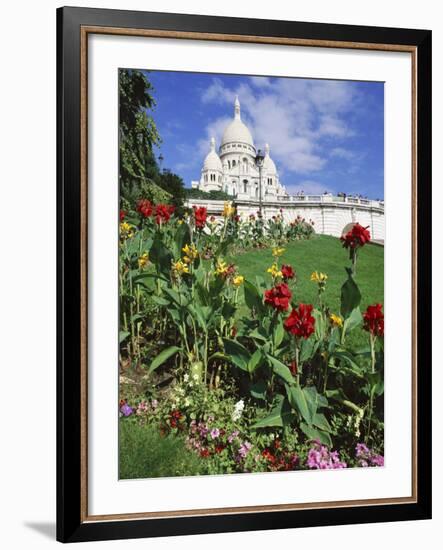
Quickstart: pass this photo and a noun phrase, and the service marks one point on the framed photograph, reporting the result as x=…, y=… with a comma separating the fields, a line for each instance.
x=244, y=274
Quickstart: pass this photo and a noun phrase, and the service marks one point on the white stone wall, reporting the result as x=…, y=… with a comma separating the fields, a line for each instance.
x=330, y=214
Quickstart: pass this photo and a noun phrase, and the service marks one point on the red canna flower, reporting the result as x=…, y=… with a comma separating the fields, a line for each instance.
x=267, y=455
x=122, y=215
x=219, y=448
x=204, y=453
x=358, y=236
x=163, y=213
x=174, y=418
x=200, y=216
x=278, y=297
x=300, y=322
x=145, y=207
x=374, y=320
x=288, y=272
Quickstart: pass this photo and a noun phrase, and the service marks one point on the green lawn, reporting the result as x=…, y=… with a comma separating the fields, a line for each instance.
x=145, y=453
x=326, y=254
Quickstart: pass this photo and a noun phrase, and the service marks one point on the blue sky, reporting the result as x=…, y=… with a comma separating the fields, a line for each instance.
x=323, y=134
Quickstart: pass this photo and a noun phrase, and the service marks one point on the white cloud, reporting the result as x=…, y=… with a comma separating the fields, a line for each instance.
x=295, y=116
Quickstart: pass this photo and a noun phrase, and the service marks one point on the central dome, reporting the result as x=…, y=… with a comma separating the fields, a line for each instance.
x=236, y=131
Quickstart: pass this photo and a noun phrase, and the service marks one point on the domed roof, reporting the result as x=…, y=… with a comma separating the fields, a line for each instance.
x=237, y=131
x=212, y=160
x=268, y=163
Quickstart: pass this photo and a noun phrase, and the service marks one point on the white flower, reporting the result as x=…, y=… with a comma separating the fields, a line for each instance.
x=238, y=410
x=195, y=377
x=186, y=377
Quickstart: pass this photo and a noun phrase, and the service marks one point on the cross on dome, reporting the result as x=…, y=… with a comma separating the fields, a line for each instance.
x=237, y=108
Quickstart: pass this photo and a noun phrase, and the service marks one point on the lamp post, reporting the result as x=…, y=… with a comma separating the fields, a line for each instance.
x=259, y=159
x=160, y=161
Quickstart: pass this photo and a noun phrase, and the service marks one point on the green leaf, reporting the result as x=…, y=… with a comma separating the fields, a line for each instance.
x=314, y=433
x=237, y=353
x=253, y=298
x=281, y=370
x=307, y=349
x=255, y=361
x=162, y=357
x=350, y=296
x=258, y=390
x=160, y=301
x=312, y=399
x=297, y=399
x=354, y=320
x=320, y=421
x=123, y=335
x=280, y=416
x=279, y=333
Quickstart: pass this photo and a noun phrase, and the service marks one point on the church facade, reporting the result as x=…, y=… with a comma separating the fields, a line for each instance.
x=233, y=168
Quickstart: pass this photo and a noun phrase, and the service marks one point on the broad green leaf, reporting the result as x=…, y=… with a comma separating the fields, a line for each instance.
x=314, y=433
x=255, y=360
x=307, y=349
x=162, y=357
x=354, y=320
x=237, y=353
x=123, y=335
x=281, y=369
x=297, y=399
x=258, y=390
x=280, y=416
x=312, y=399
x=253, y=298
x=320, y=421
x=279, y=333
x=350, y=296
x=160, y=301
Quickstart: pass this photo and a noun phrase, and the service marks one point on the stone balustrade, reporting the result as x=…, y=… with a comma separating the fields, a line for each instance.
x=331, y=214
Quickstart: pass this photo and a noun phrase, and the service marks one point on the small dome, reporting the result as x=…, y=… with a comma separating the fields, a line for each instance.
x=268, y=163
x=237, y=131
x=212, y=160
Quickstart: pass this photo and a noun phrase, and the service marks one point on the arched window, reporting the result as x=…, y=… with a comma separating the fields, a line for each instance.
x=229, y=164
x=233, y=163
x=245, y=186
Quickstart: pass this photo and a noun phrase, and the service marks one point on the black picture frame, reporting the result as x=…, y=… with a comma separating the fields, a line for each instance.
x=71, y=524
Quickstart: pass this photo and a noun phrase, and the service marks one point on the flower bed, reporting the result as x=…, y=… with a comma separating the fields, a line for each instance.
x=248, y=376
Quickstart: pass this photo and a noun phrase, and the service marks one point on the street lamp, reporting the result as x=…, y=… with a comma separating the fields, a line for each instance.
x=259, y=160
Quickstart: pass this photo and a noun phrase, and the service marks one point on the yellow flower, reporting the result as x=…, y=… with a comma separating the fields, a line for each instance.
x=318, y=277
x=276, y=252
x=221, y=268
x=126, y=230
x=228, y=210
x=180, y=222
x=143, y=260
x=336, y=320
x=238, y=280
x=180, y=267
x=274, y=271
x=191, y=253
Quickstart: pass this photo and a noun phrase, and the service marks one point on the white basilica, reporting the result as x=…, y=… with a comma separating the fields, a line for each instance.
x=234, y=169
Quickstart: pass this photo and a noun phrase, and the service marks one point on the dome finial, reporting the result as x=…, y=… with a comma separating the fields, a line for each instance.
x=267, y=148
x=237, y=107
x=212, y=143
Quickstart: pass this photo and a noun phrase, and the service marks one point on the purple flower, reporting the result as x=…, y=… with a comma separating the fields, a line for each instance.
x=215, y=432
x=320, y=458
x=233, y=436
x=244, y=449
x=126, y=410
x=367, y=457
